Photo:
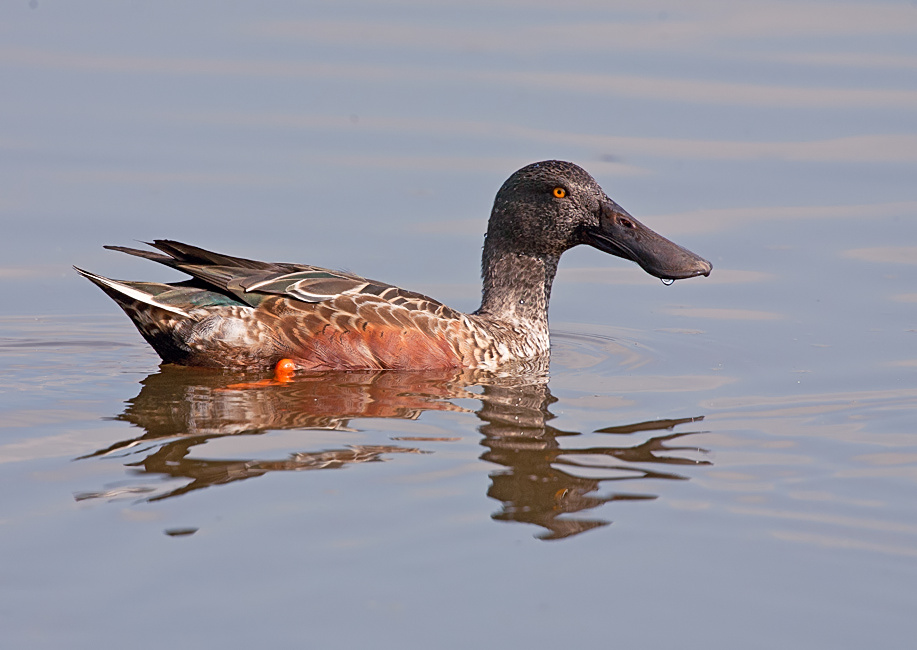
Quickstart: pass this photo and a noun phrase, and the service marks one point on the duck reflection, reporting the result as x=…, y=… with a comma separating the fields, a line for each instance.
x=543, y=480
x=539, y=480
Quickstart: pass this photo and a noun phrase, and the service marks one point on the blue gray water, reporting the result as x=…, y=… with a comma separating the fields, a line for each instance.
x=726, y=462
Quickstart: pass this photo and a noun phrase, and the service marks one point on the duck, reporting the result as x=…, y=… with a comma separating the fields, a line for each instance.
x=237, y=313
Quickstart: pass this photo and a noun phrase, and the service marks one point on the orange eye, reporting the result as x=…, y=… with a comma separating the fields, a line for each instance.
x=560, y=192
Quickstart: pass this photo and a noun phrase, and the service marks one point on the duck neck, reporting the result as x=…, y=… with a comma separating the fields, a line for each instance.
x=517, y=287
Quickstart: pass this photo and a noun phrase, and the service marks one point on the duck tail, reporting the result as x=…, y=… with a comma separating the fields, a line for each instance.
x=126, y=295
x=156, y=321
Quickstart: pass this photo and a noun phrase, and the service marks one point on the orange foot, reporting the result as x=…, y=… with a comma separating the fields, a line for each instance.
x=283, y=373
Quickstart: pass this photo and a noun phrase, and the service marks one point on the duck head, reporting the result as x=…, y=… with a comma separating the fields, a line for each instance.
x=549, y=207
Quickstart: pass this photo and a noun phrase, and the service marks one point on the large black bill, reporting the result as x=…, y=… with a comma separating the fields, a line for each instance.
x=620, y=234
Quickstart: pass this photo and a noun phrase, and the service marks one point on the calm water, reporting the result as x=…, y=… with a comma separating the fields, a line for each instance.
x=729, y=462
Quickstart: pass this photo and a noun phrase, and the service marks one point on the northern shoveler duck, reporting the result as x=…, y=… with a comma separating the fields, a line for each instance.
x=240, y=313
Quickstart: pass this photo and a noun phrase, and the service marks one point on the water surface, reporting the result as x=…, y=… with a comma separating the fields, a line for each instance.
x=726, y=462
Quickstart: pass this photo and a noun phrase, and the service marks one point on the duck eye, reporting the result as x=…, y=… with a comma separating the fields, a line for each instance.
x=560, y=192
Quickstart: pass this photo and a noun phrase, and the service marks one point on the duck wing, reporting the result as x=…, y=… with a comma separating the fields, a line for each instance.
x=236, y=312
x=252, y=281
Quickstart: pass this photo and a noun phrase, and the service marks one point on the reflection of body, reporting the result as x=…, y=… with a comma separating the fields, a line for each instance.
x=181, y=408
x=243, y=313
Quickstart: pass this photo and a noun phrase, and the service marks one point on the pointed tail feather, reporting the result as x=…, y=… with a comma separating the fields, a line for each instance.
x=160, y=324
x=126, y=295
